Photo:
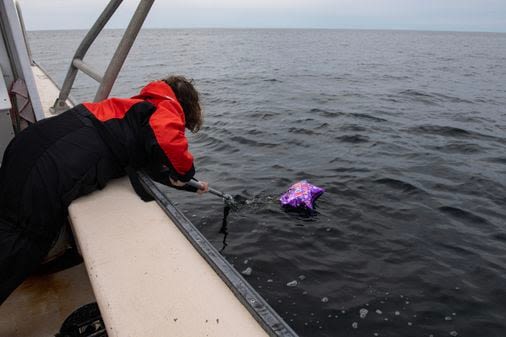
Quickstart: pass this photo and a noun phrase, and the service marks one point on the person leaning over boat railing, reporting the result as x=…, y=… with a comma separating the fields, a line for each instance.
x=53, y=162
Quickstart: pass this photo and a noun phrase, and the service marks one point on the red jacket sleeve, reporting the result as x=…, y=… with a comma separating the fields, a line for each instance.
x=168, y=125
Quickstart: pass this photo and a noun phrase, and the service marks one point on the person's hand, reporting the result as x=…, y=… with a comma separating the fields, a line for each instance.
x=177, y=182
x=205, y=187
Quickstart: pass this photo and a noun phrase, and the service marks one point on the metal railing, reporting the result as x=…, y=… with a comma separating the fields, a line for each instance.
x=107, y=80
x=23, y=30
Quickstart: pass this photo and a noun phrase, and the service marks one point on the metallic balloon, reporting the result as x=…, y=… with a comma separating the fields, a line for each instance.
x=301, y=194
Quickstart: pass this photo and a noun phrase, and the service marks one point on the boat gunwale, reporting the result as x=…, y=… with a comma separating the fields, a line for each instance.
x=257, y=306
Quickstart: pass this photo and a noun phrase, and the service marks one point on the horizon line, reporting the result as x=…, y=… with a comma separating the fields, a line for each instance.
x=285, y=28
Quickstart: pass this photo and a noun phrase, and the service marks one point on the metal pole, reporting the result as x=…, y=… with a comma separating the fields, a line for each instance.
x=85, y=68
x=92, y=34
x=123, y=48
x=23, y=29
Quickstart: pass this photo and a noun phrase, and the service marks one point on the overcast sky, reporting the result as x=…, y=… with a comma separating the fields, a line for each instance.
x=460, y=15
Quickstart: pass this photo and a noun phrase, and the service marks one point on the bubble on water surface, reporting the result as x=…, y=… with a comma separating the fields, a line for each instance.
x=247, y=271
x=363, y=313
x=292, y=283
x=354, y=325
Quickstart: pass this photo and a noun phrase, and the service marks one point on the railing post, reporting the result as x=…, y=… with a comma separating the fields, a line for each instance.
x=123, y=48
x=23, y=29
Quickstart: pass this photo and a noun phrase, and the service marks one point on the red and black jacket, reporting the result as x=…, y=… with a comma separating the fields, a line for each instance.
x=146, y=131
x=56, y=160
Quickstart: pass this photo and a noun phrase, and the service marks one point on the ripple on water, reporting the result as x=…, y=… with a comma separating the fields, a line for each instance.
x=399, y=185
x=301, y=131
x=463, y=215
x=463, y=148
x=367, y=117
x=252, y=142
x=450, y=131
x=354, y=139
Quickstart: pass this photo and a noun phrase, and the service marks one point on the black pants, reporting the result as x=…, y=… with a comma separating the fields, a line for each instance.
x=45, y=168
x=20, y=255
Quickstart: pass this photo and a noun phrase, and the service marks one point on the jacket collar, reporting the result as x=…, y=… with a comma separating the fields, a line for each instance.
x=155, y=92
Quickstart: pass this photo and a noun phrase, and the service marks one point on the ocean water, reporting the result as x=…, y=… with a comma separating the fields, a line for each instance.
x=406, y=131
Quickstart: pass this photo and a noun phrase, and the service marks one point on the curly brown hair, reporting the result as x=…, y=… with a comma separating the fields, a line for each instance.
x=188, y=97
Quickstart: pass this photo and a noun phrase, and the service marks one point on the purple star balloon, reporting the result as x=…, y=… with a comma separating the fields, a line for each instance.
x=301, y=194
